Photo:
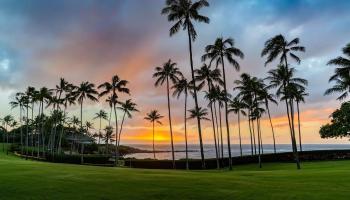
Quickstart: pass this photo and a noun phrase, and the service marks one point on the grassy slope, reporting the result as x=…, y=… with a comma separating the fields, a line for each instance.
x=21, y=179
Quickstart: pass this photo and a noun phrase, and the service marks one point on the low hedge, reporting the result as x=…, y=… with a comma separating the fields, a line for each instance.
x=318, y=155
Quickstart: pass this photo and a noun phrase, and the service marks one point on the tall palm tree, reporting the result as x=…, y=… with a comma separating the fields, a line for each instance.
x=112, y=89
x=168, y=72
x=221, y=49
x=44, y=96
x=19, y=102
x=267, y=97
x=101, y=115
x=85, y=90
x=182, y=87
x=299, y=97
x=183, y=13
x=281, y=78
x=212, y=96
x=153, y=117
x=7, y=121
x=237, y=107
x=127, y=107
x=342, y=63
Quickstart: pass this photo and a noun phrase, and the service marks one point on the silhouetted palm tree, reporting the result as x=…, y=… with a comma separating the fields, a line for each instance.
x=341, y=85
x=201, y=113
x=299, y=97
x=279, y=46
x=168, y=72
x=100, y=115
x=7, y=121
x=212, y=96
x=281, y=78
x=342, y=63
x=19, y=102
x=237, y=107
x=127, y=107
x=183, y=13
x=182, y=87
x=153, y=117
x=267, y=97
x=85, y=90
x=112, y=89
x=217, y=52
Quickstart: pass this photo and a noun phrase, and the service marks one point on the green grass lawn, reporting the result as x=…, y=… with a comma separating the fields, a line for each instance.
x=21, y=179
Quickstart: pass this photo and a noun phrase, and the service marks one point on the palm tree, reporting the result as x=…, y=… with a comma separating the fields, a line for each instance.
x=127, y=107
x=183, y=13
x=7, y=121
x=342, y=63
x=201, y=113
x=279, y=46
x=342, y=85
x=100, y=115
x=167, y=72
x=217, y=52
x=19, y=102
x=281, y=78
x=108, y=136
x=299, y=97
x=44, y=96
x=85, y=90
x=267, y=97
x=182, y=87
x=237, y=107
x=212, y=96
x=153, y=117
x=112, y=89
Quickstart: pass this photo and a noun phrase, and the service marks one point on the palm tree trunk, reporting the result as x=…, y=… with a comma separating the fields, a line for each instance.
x=32, y=134
x=186, y=146
x=226, y=116
x=250, y=131
x=195, y=100
x=221, y=137
x=273, y=132
x=154, y=152
x=99, y=136
x=20, y=122
x=116, y=153
x=254, y=141
x=293, y=139
x=216, y=148
x=239, y=133
x=259, y=140
x=217, y=129
x=291, y=124
x=171, y=128
x=27, y=134
x=300, y=145
x=121, y=128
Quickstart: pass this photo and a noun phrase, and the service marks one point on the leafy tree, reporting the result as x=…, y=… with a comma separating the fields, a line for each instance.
x=340, y=123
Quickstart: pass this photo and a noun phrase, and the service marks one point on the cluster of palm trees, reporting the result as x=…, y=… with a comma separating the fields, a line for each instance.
x=47, y=131
x=253, y=93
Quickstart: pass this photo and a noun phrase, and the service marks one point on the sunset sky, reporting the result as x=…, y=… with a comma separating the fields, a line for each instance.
x=91, y=40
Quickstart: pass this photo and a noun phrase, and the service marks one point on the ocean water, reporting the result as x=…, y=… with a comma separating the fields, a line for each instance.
x=209, y=150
